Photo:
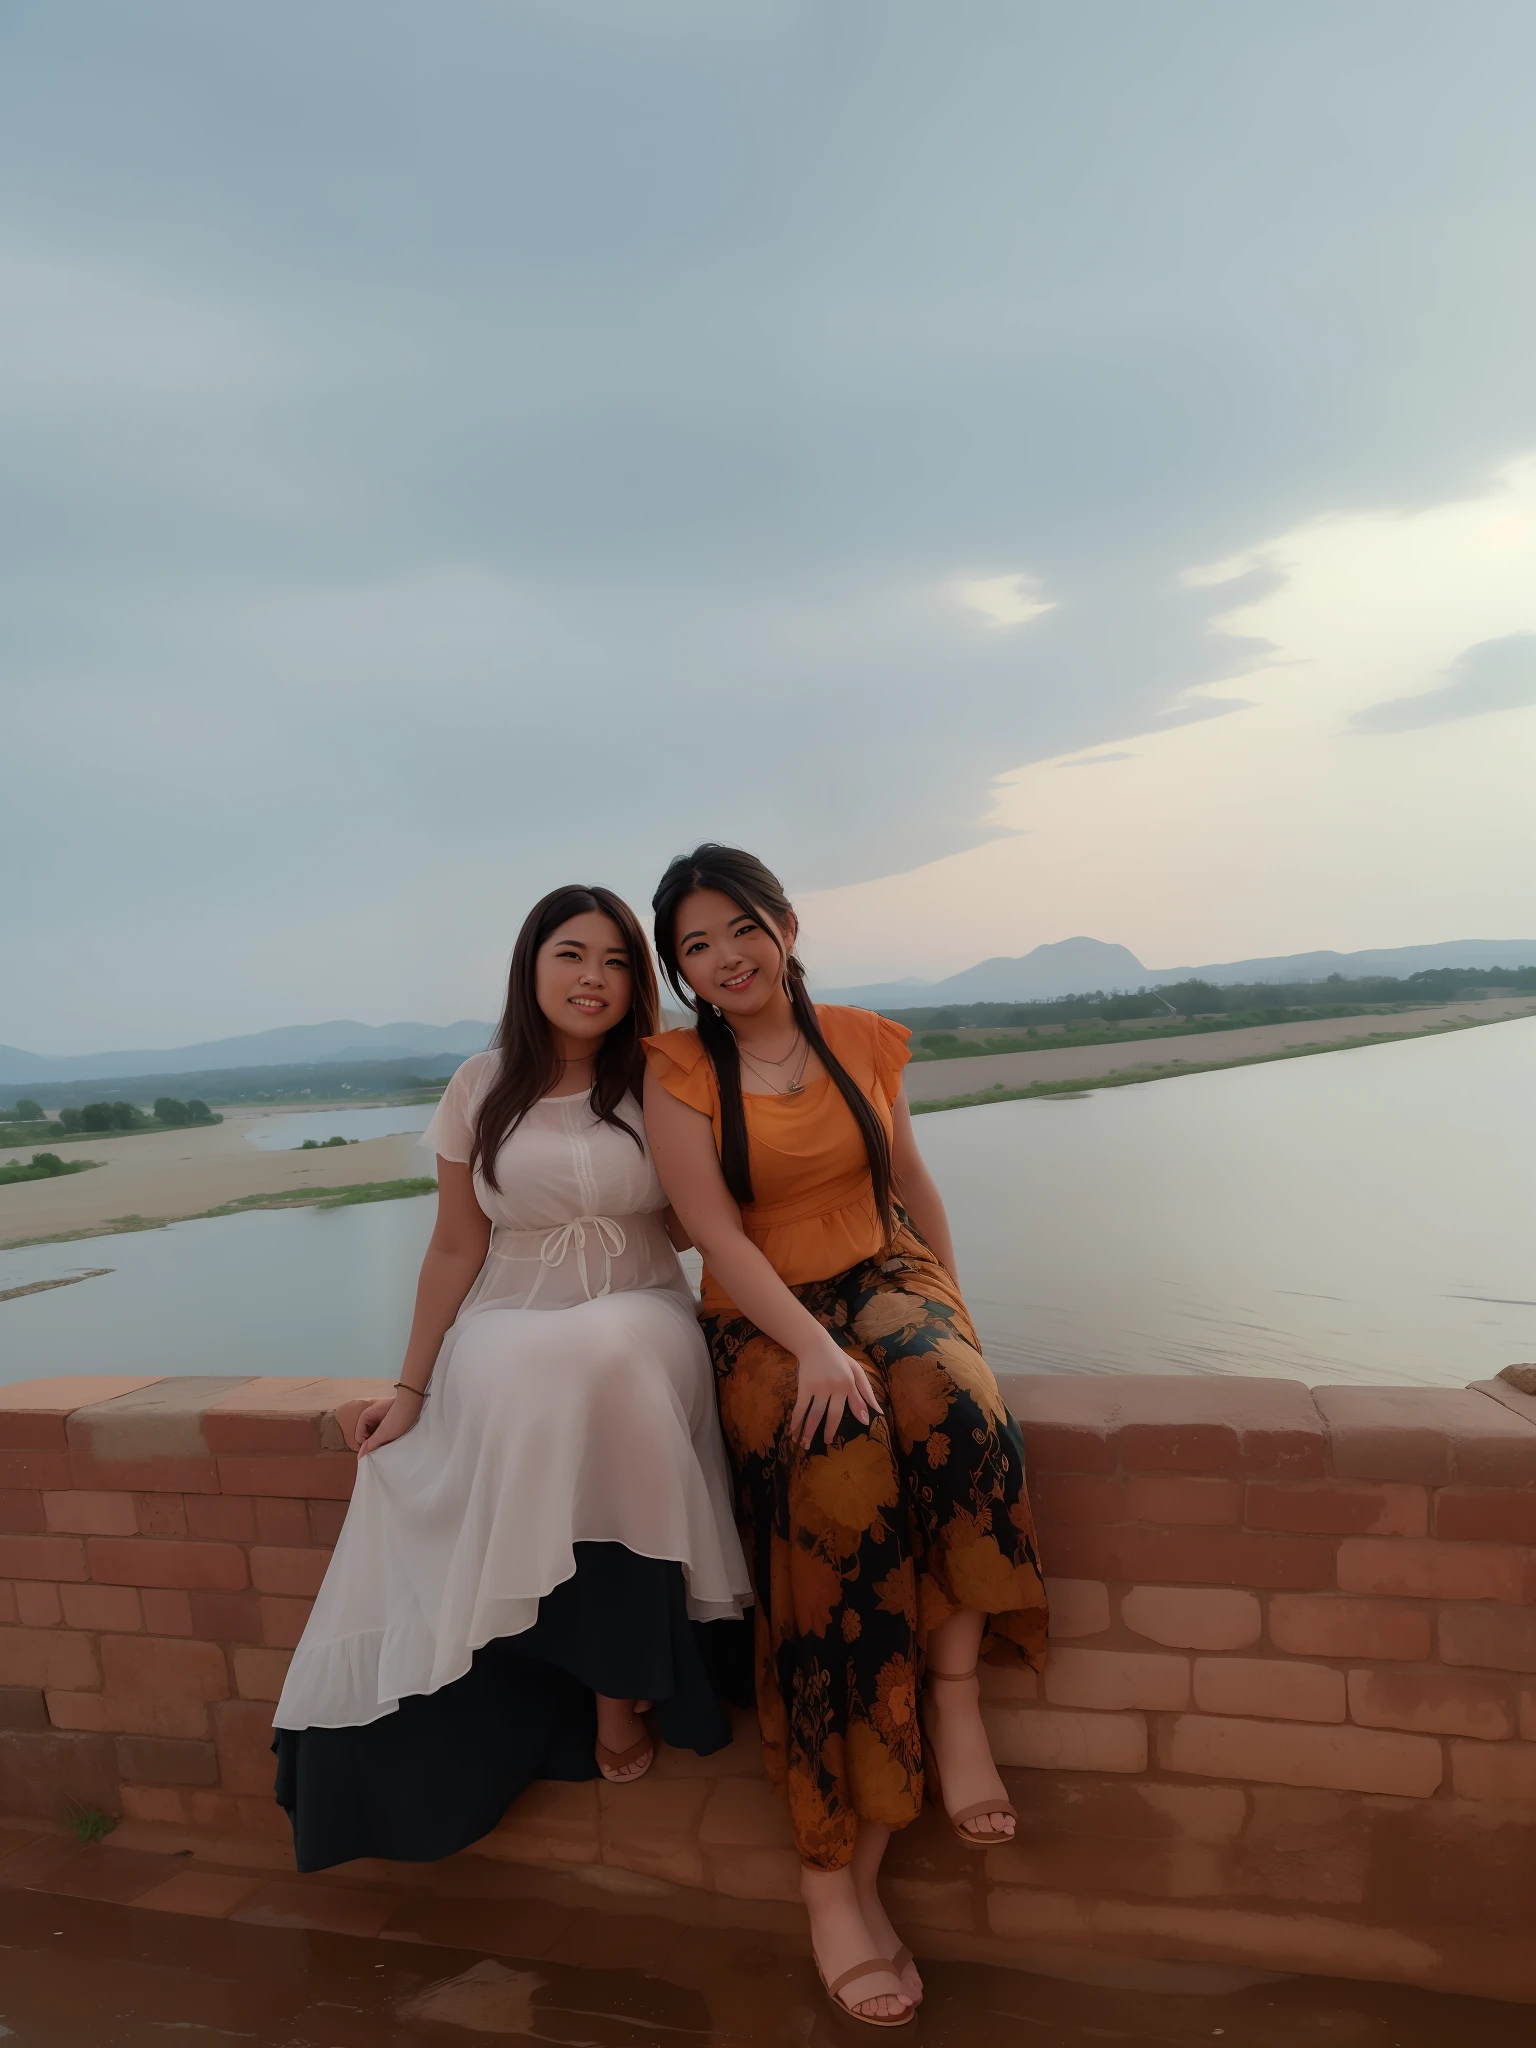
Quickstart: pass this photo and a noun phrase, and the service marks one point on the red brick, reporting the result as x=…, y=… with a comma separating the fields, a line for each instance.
x=33, y=1412
x=1336, y=1507
x=288, y=1571
x=242, y=1734
x=259, y=1418
x=284, y=1522
x=1505, y=1771
x=159, y=1686
x=328, y=1475
x=163, y=1760
x=167, y=1611
x=183, y=1806
x=42, y=1557
x=1203, y=1557
x=1269, y=1686
x=146, y=1561
x=102, y=1607
x=1066, y=1739
x=41, y=1773
x=1431, y=1435
x=1116, y=1679
x=46, y=1656
x=325, y=1520
x=259, y=1674
x=1064, y=1500
x=1433, y=1703
x=1499, y=1638
x=1157, y=1422
x=226, y=1617
x=1065, y=1430
x=1486, y=1514
x=37, y=1604
x=7, y=1601
x=1324, y=1625
x=34, y=1470
x=91, y=1514
x=283, y=1620
x=193, y=1474
x=1165, y=1497
x=220, y=1518
x=80, y=1712
x=21, y=1512
x=1079, y=1607
x=1192, y=1618
x=1340, y=1759
x=1528, y=1713
x=161, y=1514
x=22, y=1706
x=1427, y=1570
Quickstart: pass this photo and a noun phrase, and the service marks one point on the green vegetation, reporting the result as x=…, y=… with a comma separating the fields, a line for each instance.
x=1255, y=1003
x=44, y=1166
x=1130, y=1077
x=101, y=1119
x=323, y=1144
x=87, y=1823
x=287, y=1198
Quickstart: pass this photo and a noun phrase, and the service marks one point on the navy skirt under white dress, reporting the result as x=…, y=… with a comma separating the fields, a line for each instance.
x=558, y=1522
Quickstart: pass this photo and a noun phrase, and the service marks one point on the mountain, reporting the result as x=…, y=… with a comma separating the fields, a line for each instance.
x=291, y=1045
x=1078, y=966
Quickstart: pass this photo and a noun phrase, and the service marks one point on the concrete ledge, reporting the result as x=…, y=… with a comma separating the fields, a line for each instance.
x=1289, y=1721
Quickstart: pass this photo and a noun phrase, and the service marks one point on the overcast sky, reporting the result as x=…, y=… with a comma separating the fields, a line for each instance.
x=456, y=447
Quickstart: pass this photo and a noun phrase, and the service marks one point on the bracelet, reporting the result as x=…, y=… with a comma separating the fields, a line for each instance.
x=405, y=1388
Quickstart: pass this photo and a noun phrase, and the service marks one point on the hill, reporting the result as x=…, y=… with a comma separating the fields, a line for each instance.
x=289, y=1045
x=1075, y=966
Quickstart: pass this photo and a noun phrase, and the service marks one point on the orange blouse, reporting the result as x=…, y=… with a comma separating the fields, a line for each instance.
x=814, y=1214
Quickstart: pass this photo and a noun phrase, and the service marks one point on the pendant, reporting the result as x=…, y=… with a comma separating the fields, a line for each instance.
x=795, y=1088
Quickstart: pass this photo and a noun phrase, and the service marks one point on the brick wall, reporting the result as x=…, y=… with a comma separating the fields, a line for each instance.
x=1289, y=1717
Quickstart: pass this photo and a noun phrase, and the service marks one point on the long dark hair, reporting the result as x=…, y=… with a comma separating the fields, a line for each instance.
x=758, y=894
x=529, y=1065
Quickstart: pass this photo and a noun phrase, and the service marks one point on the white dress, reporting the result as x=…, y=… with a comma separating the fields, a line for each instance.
x=572, y=1401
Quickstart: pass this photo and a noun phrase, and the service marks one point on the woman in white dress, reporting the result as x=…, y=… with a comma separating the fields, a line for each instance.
x=542, y=1521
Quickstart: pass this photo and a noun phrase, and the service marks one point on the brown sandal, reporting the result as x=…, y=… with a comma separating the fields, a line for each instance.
x=610, y=1761
x=973, y=1838
x=876, y=1966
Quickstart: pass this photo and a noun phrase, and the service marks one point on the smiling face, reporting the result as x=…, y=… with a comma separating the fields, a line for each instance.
x=728, y=957
x=583, y=980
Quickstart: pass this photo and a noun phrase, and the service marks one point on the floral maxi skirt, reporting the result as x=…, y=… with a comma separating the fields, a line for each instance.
x=858, y=1551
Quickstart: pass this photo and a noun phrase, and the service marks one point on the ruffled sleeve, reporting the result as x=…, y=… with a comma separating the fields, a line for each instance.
x=891, y=1055
x=451, y=1133
x=683, y=1068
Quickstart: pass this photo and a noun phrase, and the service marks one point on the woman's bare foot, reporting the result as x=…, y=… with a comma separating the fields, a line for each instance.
x=952, y=1721
x=840, y=1937
x=868, y=1851
x=619, y=1727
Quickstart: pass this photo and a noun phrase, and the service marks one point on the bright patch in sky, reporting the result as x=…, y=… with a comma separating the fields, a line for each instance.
x=1327, y=811
x=1004, y=600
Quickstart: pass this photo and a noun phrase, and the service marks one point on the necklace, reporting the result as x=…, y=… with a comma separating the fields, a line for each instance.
x=796, y=1082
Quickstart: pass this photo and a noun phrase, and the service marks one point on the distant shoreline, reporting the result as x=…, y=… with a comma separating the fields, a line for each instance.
x=1095, y=1071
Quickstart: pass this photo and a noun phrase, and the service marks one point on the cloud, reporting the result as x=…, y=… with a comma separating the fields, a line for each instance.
x=1274, y=832
x=1005, y=600
x=1495, y=675
x=561, y=447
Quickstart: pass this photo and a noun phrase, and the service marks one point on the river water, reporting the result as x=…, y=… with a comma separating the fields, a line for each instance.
x=1359, y=1216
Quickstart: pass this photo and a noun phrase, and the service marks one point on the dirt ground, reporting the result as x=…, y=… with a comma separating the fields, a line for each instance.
x=168, y=1175
x=938, y=1080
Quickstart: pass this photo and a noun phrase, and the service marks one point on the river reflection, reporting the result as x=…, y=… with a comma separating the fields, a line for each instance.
x=1357, y=1216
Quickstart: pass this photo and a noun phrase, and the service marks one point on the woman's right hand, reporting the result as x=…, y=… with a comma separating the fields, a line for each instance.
x=829, y=1382
x=381, y=1422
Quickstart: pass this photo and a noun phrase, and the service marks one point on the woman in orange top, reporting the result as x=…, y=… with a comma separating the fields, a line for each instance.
x=880, y=1479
